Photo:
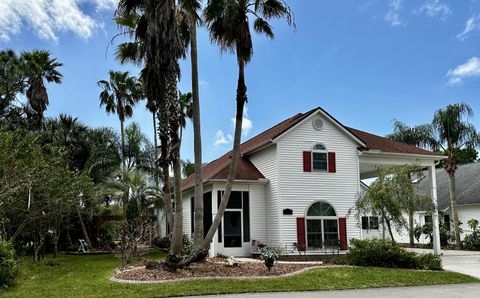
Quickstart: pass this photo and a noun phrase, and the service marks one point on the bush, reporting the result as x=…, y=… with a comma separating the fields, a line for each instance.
x=8, y=265
x=472, y=241
x=429, y=262
x=161, y=242
x=385, y=253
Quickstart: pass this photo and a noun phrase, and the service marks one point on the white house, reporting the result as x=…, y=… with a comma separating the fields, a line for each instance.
x=295, y=183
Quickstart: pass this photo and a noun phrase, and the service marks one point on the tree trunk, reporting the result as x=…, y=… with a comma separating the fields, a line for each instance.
x=410, y=228
x=387, y=221
x=155, y=146
x=201, y=253
x=176, y=249
x=197, y=139
x=454, y=212
x=122, y=132
x=84, y=229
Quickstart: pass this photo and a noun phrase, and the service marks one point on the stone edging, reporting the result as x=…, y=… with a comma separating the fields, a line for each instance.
x=128, y=281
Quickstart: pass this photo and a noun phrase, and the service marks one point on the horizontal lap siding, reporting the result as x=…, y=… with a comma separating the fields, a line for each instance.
x=258, y=227
x=299, y=189
x=266, y=163
x=465, y=213
x=187, y=213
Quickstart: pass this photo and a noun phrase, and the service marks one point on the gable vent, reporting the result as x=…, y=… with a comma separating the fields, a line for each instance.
x=317, y=123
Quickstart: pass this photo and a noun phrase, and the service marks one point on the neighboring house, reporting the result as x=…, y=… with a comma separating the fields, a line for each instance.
x=295, y=185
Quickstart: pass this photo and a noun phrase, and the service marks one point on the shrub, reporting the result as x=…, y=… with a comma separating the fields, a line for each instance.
x=8, y=265
x=385, y=253
x=429, y=262
x=269, y=255
x=161, y=242
x=472, y=241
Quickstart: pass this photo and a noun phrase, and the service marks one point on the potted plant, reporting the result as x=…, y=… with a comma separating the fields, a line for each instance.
x=269, y=255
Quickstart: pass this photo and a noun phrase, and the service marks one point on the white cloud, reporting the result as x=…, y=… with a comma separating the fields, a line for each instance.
x=472, y=24
x=469, y=69
x=47, y=18
x=434, y=8
x=393, y=14
x=247, y=123
x=203, y=84
x=221, y=139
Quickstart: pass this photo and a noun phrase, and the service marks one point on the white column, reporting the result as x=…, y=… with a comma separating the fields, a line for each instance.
x=436, y=230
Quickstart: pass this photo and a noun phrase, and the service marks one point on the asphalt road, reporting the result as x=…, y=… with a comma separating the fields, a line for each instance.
x=440, y=291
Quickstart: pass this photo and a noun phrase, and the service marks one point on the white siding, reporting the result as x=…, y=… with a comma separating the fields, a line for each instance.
x=187, y=213
x=465, y=213
x=266, y=163
x=258, y=220
x=298, y=189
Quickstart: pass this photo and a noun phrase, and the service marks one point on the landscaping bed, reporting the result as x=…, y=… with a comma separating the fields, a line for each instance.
x=211, y=268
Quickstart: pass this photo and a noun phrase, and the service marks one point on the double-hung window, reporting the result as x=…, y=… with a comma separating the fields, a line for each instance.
x=319, y=158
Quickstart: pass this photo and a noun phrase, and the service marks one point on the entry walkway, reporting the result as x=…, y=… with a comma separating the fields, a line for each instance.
x=437, y=291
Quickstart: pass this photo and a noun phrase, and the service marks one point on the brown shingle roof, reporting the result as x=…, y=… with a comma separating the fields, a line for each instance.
x=218, y=169
x=375, y=142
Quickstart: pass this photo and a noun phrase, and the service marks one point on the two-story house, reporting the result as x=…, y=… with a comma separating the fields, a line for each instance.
x=296, y=183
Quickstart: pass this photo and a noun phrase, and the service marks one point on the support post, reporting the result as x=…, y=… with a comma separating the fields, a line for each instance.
x=436, y=230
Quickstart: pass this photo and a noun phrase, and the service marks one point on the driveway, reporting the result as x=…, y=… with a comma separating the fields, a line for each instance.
x=466, y=262
x=460, y=290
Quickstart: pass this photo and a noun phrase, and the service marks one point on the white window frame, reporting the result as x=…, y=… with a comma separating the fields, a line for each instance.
x=322, y=219
x=319, y=151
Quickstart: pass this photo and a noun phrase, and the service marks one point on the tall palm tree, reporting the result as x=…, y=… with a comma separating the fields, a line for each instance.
x=191, y=11
x=452, y=132
x=119, y=95
x=419, y=136
x=229, y=27
x=12, y=78
x=40, y=67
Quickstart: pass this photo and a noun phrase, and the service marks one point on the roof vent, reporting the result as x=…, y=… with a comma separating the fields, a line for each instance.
x=317, y=123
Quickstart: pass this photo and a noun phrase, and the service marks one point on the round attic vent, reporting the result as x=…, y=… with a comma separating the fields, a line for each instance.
x=317, y=123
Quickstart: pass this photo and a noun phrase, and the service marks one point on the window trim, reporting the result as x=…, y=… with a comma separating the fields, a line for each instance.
x=322, y=219
x=324, y=151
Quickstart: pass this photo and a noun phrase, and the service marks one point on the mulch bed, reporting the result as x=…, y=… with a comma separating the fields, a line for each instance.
x=211, y=268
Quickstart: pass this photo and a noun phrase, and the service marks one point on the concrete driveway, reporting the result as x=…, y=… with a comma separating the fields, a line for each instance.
x=466, y=262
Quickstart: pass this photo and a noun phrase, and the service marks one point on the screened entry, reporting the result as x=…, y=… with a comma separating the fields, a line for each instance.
x=322, y=226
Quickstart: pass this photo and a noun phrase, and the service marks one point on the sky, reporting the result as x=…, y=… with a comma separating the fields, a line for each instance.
x=367, y=62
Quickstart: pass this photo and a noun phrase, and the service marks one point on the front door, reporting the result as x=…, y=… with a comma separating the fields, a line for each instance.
x=232, y=223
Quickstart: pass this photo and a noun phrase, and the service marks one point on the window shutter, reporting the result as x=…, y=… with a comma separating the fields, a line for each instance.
x=301, y=234
x=307, y=161
x=332, y=167
x=342, y=222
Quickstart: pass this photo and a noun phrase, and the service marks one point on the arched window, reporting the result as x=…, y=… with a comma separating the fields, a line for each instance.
x=322, y=226
x=319, y=157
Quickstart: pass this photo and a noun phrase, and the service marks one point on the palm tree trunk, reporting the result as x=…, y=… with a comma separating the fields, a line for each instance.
x=155, y=146
x=84, y=229
x=197, y=139
x=122, y=132
x=453, y=207
x=176, y=249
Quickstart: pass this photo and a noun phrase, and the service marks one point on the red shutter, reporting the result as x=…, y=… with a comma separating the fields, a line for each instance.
x=307, y=161
x=342, y=223
x=301, y=234
x=332, y=167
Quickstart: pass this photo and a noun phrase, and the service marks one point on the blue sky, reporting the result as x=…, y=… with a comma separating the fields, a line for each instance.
x=367, y=62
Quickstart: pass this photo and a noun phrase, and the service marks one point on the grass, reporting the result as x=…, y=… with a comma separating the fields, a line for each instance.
x=88, y=276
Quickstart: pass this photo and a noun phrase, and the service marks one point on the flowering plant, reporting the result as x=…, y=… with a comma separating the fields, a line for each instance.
x=269, y=255
x=232, y=262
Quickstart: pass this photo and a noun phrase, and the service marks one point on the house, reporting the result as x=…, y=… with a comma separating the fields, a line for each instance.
x=295, y=185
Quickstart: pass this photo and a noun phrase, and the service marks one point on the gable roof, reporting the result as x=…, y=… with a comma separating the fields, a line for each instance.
x=218, y=168
x=467, y=185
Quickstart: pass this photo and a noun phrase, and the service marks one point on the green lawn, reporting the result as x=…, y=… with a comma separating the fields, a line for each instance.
x=87, y=276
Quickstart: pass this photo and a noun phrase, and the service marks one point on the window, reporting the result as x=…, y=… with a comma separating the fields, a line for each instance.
x=236, y=219
x=428, y=219
x=319, y=158
x=369, y=222
x=322, y=225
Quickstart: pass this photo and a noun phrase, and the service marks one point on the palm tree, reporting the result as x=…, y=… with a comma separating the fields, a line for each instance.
x=12, y=78
x=119, y=95
x=453, y=132
x=229, y=27
x=40, y=67
x=190, y=9
x=419, y=136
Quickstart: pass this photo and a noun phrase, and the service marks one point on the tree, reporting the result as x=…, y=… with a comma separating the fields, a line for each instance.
x=191, y=10
x=188, y=168
x=40, y=67
x=229, y=27
x=12, y=78
x=419, y=136
x=452, y=132
x=383, y=198
x=119, y=95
